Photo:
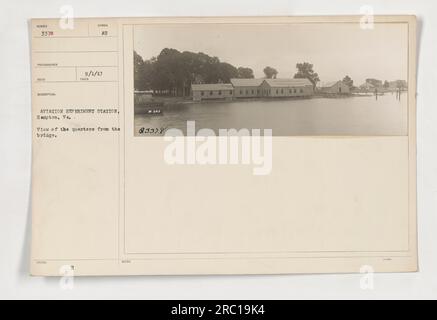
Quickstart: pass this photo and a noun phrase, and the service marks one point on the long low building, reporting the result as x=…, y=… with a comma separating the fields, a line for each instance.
x=246, y=88
x=253, y=88
x=212, y=91
x=286, y=88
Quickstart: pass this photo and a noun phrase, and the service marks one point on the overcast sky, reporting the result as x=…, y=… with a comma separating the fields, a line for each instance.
x=335, y=50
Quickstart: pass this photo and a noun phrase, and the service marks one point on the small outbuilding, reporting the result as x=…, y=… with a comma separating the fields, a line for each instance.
x=335, y=87
x=141, y=97
x=367, y=87
x=212, y=91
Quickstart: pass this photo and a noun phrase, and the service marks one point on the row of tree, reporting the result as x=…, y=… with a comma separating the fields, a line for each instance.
x=172, y=72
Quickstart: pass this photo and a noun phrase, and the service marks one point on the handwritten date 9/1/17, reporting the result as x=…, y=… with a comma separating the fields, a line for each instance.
x=152, y=131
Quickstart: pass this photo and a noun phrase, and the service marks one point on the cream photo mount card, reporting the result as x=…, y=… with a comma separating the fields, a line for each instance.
x=223, y=145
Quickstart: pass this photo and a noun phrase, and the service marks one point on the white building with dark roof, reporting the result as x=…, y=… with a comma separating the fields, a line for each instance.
x=212, y=91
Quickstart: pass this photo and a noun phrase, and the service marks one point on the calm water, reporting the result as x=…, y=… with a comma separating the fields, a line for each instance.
x=317, y=116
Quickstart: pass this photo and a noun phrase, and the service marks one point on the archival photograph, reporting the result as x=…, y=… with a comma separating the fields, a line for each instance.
x=295, y=79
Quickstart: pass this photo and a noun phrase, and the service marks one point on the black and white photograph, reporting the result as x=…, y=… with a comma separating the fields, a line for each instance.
x=295, y=79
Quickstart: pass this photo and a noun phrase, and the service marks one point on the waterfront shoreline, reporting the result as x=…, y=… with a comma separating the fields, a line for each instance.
x=175, y=101
x=313, y=116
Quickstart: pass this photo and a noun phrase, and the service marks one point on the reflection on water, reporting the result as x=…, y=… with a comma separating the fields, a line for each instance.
x=317, y=116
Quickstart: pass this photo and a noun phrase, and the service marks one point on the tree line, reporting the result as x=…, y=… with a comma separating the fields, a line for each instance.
x=172, y=72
